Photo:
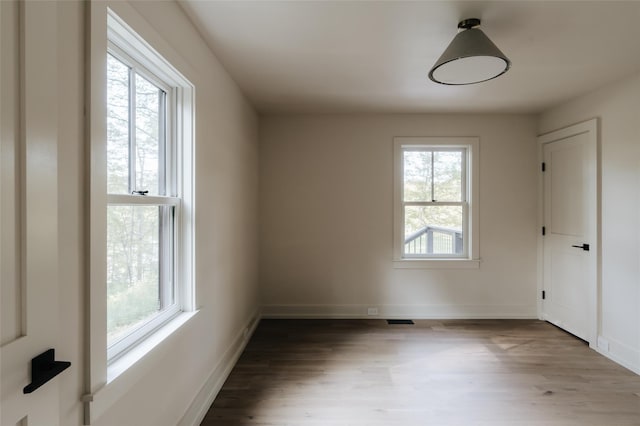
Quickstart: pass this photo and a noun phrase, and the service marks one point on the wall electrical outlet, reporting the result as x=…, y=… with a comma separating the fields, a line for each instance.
x=372, y=311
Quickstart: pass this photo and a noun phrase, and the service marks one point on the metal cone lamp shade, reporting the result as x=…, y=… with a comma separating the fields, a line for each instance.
x=470, y=58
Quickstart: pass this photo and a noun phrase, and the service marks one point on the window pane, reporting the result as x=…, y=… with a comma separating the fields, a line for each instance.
x=447, y=175
x=117, y=126
x=133, y=267
x=433, y=230
x=417, y=176
x=148, y=137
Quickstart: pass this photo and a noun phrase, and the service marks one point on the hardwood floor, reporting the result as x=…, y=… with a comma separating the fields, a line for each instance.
x=458, y=372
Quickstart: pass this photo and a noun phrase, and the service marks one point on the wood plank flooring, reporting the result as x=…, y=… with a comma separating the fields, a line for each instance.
x=441, y=373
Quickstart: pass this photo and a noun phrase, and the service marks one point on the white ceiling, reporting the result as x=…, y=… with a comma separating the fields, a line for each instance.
x=364, y=56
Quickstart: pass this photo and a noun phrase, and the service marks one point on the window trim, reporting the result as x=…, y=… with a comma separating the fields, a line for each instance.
x=126, y=45
x=470, y=257
x=107, y=383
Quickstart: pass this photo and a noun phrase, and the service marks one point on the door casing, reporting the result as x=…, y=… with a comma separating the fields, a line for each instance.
x=590, y=128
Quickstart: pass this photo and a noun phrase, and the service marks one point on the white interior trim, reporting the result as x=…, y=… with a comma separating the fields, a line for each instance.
x=146, y=357
x=621, y=353
x=472, y=244
x=360, y=311
x=107, y=383
x=589, y=127
x=208, y=392
x=436, y=264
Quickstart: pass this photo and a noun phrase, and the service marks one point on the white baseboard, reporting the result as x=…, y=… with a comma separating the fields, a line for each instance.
x=621, y=353
x=401, y=311
x=207, y=394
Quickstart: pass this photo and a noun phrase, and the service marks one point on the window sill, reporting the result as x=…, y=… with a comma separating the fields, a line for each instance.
x=127, y=370
x=129, y=359
x=436, y=264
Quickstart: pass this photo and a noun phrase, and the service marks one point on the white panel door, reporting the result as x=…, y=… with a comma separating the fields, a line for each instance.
x=28, y=208
x=569, y=244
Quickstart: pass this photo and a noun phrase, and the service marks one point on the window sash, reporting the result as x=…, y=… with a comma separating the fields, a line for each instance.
x=126, y=59
x=434, y=149
x=169, y=295
x=463, y=203
x=135, y=199
x=465, y=233
x=167, y=283
x=167, y=174
x=137, y=334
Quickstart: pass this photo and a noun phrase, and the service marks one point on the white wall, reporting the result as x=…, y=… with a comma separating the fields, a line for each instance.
x=618, y=108
x=226, y=225
x=326, y=194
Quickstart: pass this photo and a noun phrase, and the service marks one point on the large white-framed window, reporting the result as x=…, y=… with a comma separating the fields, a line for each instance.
x=143, y=203
x=141, y=208
x=435, y=202
x=148, y=186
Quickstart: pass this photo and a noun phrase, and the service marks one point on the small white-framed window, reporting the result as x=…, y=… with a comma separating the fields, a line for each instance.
x=435, y=199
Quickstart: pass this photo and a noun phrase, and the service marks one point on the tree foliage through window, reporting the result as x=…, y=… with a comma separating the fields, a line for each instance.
x=135, y=148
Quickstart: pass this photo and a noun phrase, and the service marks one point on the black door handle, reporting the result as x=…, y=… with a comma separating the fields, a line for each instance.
x=44, y=368
x=584, y=247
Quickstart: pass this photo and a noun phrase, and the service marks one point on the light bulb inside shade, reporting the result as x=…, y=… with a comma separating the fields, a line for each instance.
x=469, y=70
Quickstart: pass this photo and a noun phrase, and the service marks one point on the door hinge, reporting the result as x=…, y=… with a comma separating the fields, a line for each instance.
x=544, y=230
x=544, y=167
x=544, y=295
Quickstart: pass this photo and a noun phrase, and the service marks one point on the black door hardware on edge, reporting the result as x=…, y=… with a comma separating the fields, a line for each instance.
x=44, y=368
x=584, y=247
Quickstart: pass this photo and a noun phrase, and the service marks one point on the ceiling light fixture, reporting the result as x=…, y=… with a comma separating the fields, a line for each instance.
x=470, y=58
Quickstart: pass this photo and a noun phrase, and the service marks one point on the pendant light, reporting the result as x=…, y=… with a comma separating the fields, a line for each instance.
x=470, y=58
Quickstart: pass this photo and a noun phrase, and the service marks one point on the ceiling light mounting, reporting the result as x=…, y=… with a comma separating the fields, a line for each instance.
x=469, y=23
x=470, y=58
